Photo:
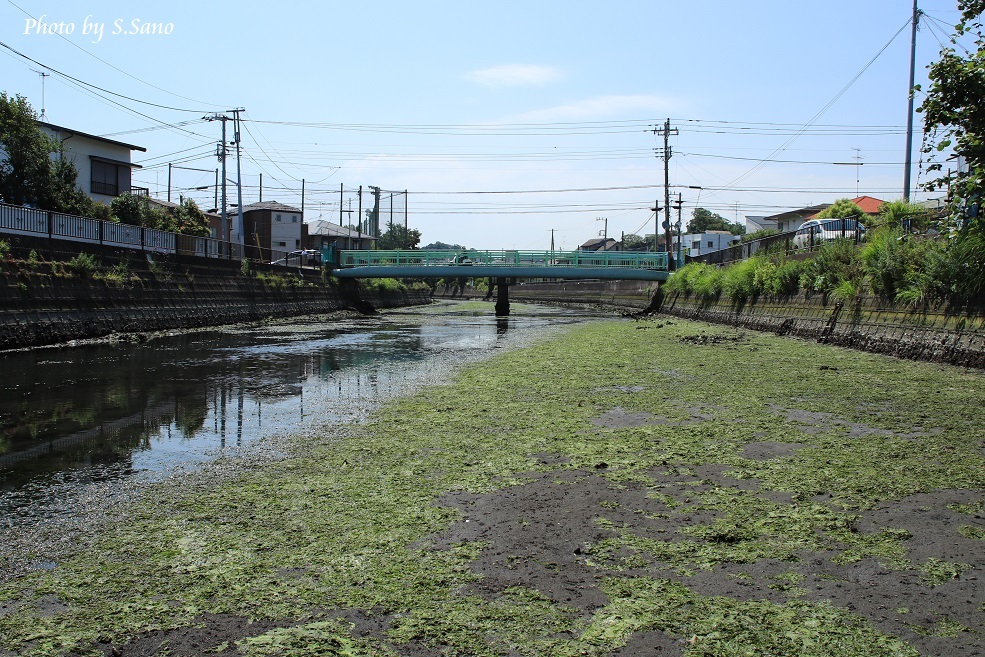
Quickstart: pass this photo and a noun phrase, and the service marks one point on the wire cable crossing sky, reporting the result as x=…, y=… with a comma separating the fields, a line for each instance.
x=501, y=130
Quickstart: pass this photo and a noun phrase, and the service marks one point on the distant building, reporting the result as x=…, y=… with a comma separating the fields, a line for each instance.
x=597, y=244
x=271, y=229
x=696, y=244
x=322, y=233
x=103, y=164
x=866, y=204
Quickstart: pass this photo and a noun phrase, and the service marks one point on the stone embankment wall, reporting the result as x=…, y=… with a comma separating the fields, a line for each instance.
x=933, y=333
x=628, y=295
x=49, y=303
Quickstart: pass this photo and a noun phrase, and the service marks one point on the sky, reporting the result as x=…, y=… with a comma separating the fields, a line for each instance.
x=508, y=124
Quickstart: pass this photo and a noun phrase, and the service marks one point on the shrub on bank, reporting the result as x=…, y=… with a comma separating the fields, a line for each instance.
x=905, y=268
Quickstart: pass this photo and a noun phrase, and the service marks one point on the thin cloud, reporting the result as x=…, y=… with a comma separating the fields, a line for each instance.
x=513, y=75
x=602, y=107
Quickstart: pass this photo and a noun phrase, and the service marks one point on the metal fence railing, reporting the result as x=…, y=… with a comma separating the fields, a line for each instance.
x=807, y=238
x=609, y=259
x=20, y=220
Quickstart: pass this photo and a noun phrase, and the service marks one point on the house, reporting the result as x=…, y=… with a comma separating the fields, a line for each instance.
x=866, y=204
x=271, y=229
x=597, y=244
x=756, y=223
x=696, y=244
x=787, y=221
x=103, y=164
x=322, y=233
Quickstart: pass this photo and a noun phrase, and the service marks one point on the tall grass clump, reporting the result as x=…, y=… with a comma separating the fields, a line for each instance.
x=698, y=279
x=887, y=258
x=739, y=280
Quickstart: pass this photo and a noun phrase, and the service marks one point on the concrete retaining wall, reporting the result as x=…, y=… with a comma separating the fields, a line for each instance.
x=630, y=295
x=938, y=334
x=47, y=304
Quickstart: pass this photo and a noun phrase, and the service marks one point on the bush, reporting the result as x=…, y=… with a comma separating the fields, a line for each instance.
x=83, y=264
x=786, y=278
x=4, y=248
x=738, y=280
x=885, y=260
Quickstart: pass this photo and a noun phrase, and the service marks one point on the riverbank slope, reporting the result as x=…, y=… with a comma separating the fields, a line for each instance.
x=43, y=303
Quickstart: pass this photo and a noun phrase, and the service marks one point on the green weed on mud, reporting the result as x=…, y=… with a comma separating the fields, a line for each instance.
x=345, y=523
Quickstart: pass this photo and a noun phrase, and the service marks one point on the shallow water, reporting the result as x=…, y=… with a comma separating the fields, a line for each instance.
x=84, y=421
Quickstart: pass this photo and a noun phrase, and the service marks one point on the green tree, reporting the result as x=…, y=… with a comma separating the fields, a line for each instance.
x=397, y=237
x=634, y=242
x=954, y=119
x=28, y=173
x=25, y=169
x=703, y=220
x=843, y=207
x=190, y=220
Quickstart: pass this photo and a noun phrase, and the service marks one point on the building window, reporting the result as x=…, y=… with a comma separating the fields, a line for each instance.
x=105, y=178
x=277, y=217
x=294, y=218
x=284, y=244
x=710, y=244
x=297, y=244
x=696, y=245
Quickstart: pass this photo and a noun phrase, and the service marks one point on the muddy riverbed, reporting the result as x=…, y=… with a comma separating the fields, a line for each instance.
x=637, y=488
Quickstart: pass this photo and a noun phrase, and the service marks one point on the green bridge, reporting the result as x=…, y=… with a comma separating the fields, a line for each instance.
x=616, y=265
x=502, y=267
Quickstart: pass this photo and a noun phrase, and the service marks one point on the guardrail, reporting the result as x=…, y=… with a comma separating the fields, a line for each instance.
x=403, y=258
x=804, y=239
x=20, y=220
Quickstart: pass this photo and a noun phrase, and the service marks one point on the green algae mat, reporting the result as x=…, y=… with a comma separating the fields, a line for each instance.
x=653, y=487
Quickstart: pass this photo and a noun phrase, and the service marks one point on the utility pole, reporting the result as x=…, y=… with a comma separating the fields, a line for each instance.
x=552, y=241
x=666, y=132
x=302, y=199
x=220, y=153
x=406, y=232
x=656, y=223
x=680, y=235
x=359, y=223
x=908, y=162
x=169, y=182
x=261, y=188
x=341, y=202
x=239, y=182
x=605, y=230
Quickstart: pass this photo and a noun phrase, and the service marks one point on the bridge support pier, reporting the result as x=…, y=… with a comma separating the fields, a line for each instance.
x=502, y=297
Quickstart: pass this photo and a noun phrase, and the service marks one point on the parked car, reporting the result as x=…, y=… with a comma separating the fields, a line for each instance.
x=816, y=231
x=305, y=258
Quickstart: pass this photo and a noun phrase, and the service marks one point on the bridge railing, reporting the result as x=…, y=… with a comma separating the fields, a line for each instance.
x=403, y=258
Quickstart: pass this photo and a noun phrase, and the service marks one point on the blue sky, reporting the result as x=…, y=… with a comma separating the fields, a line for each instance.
x=445, y=99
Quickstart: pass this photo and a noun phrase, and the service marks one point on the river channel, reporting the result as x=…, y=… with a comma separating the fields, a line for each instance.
x=85, y=423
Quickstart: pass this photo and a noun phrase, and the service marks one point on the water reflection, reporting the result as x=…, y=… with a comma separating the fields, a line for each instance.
x=78, y=415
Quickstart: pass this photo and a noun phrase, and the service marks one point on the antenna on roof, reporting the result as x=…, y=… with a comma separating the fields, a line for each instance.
x=43, y=76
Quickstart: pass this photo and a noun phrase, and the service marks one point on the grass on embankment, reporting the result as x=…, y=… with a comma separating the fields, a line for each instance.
x=345, y=523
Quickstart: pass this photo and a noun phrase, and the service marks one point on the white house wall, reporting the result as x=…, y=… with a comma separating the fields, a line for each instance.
x=78, y=150
x=285, y=233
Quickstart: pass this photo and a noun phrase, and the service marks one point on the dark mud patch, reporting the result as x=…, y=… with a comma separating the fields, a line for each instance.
x=540, y=535
x=619, y=418
x=768, y=450
x=208, y=635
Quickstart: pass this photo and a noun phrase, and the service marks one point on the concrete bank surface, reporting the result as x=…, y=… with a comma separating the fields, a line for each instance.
x=43, y=303
x=932, y=333
x=650, y=487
